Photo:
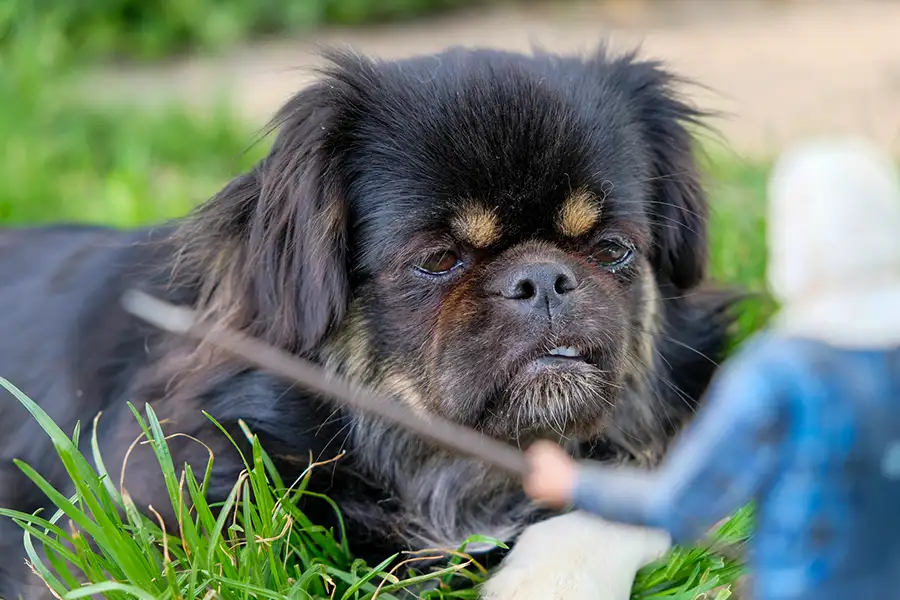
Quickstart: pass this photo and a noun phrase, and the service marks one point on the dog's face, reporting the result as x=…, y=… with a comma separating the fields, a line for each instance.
x=503, y=270
x=483, y=235
x=527, y=332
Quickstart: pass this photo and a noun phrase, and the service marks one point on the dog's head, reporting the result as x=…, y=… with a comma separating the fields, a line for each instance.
x=481, y=234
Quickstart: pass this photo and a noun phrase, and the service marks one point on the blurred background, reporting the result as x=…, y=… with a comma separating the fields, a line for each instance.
x=126, y=112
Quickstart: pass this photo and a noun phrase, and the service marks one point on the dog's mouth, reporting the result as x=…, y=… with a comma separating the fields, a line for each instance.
x=559, y=359
x=561, y=355
x=556, y=389
x=570, y=352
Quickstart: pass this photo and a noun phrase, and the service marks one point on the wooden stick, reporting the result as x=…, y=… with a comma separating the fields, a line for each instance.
x=450, y=435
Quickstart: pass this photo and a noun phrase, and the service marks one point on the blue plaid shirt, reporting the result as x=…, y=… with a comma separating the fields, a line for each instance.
x=812, y=434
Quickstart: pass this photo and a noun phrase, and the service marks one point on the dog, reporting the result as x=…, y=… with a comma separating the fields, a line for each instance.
x=517, y=242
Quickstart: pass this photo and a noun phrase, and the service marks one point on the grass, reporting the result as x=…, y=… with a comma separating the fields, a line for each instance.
x=109, y=165
x=257, y=543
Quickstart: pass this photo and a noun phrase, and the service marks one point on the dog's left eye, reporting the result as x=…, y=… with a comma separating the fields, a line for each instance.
x=610, y=253
x=439, y=263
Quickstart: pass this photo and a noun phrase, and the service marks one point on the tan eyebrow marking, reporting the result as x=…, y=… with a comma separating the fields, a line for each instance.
x=476, y=225
x=578, y=214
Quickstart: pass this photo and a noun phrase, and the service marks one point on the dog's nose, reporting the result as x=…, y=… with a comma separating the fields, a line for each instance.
x=543, y=287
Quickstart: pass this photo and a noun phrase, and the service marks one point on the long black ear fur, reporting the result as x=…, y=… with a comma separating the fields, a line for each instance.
x=269, y=251
x=679, y=204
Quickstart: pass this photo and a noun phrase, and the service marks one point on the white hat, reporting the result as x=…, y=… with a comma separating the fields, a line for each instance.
x=834, y=243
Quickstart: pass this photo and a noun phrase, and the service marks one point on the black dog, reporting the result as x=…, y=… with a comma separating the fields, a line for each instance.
x=515, y=242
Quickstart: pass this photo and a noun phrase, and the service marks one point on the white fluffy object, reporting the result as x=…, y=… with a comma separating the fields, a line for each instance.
x=575, y=556
x=834, y=243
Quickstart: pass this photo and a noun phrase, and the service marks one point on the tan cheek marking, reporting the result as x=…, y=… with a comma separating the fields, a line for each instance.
x=578, y=215
x=348, y=351
x=649, y=314
x=477, y=226
x=401, y=386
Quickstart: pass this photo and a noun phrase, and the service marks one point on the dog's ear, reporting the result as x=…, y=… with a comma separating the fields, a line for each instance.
x=269, y=250
x=678, y=205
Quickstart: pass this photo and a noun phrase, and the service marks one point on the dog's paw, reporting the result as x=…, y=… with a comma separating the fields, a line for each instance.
x=575, y=556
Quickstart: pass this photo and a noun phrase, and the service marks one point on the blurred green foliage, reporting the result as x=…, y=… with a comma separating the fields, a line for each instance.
x=151, y=29
x=113, y=164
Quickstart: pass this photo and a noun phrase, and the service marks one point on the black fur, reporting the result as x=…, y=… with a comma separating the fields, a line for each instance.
x=312, y=250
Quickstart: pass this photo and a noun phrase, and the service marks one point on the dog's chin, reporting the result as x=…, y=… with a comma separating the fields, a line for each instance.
x=552, y=398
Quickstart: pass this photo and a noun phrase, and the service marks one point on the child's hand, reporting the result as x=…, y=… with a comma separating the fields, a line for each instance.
x=552, y=477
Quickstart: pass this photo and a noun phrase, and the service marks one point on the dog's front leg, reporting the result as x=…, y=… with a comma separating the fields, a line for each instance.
x=575, y=556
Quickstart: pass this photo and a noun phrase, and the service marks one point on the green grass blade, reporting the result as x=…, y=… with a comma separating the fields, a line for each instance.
x=109, y=586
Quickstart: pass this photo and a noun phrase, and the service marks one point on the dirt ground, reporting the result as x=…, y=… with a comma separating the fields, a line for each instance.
x=779, y=69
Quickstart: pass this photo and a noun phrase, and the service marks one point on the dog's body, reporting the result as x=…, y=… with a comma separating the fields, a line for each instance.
x=515, y=242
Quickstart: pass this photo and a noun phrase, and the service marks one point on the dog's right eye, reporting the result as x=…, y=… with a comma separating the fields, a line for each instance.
x=439, y=263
